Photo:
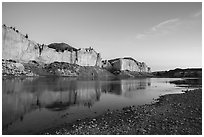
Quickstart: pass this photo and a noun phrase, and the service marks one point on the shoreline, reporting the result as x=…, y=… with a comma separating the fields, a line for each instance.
x=173, y=114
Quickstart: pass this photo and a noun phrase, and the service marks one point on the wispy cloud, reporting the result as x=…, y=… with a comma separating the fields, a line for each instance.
x=197, y=14
x=162, y=28
x=169, y=26
x=166, y=24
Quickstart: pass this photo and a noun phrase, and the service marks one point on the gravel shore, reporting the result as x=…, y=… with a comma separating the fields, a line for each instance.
x=175, y=114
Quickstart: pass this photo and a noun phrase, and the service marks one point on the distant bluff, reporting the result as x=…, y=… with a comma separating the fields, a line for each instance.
x=17, y=46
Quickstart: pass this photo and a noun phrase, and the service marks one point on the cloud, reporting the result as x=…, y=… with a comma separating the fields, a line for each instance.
x=169, y=26
x=140, y=36
x=197, y=14
x=162, y=28
x=166, y=24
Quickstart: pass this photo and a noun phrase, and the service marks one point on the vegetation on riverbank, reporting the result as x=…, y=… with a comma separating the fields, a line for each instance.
x=175, y=114
x=33, y=68
x=179, y=73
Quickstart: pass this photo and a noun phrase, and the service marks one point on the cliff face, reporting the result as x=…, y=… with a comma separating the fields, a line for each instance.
x=122, y=64
x=143, y=67
x=82, y=57
x=129, y=64
x=88, y=57
x=49, y=55
x=17, y=47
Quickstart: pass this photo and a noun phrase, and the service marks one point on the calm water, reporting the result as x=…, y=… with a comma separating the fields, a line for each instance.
x=33, y=104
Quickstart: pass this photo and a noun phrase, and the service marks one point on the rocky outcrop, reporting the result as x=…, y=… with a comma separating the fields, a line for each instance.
x=16, y=46
x=88, y=57
x=82, y=57
x=49, y=55
x=33, y=68
x=12, y=68
x=127, y=68
x=123, y=64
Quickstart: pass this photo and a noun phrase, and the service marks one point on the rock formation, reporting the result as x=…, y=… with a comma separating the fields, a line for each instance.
x=127, y=63
x=12, y=68
x=17, y=46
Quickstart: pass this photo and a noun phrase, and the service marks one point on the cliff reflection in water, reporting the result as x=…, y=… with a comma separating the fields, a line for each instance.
x=21, y=96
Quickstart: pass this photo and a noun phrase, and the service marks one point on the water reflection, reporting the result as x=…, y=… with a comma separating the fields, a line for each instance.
x=21, y=96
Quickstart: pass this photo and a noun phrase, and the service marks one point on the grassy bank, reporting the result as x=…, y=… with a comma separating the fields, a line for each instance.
x=172, y=114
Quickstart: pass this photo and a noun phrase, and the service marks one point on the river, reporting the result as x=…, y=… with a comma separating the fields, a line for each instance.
x=30, y=105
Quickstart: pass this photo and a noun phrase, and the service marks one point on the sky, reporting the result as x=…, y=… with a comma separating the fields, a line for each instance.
x=163, y=35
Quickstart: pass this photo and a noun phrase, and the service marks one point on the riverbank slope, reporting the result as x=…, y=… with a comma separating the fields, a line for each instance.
x=175, y=114
x=12, y=68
